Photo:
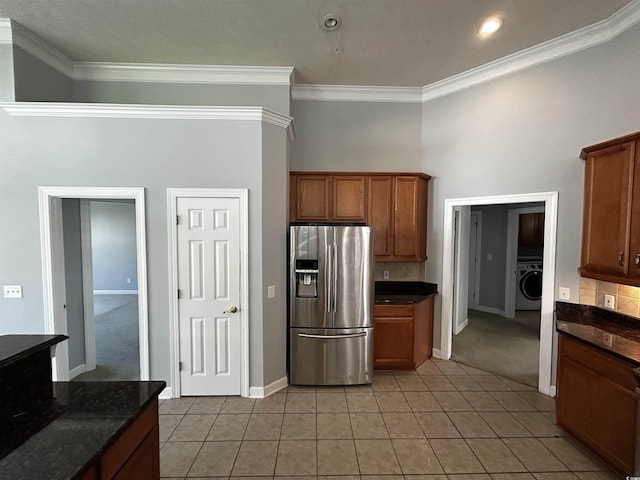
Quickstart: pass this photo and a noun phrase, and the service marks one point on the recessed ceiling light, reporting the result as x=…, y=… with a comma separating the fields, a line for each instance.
x=330, y=22
x=490, y=25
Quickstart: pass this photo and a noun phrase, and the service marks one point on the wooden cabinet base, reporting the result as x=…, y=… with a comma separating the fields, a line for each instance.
x=597, y=402
x=403, y=335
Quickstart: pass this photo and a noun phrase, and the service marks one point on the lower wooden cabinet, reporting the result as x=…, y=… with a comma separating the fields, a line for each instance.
x=136, y=454
x=597, y=402
x=402, y=335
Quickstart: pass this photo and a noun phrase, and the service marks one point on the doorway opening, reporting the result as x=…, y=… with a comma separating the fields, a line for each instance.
x=59, y=291
x=458, y=289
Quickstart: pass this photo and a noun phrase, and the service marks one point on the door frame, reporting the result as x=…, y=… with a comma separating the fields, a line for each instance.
x=242, y=195
x=511, y=283
x=51, y=235
x=550, y=200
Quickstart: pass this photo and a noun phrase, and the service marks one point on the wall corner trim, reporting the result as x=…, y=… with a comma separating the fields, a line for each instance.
x=5, y=31
x=39, y=48
x=166, y=394
x=273, y=387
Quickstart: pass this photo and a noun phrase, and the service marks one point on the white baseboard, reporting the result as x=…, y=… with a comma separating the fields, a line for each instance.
x=435, y=352
x=461, y=327
x=165, y=394
x=495, y=311
x=263, y=392
x=115, y=292
x=552, y=392
x=80, y=369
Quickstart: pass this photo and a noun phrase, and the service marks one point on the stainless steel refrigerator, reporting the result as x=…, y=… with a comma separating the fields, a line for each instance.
x=331, y=305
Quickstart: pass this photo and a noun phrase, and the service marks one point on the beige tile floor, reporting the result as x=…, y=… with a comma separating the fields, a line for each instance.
x=445, y=421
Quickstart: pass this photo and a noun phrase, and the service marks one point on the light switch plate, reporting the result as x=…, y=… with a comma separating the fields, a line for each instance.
x=385, y=274
x=12, y=291
x=271, y=291
x=564, y=293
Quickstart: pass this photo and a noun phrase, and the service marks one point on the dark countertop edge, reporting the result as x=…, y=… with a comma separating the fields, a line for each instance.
x=43, y=341
x=403, y=292
x=126, y=424
x=622, y=331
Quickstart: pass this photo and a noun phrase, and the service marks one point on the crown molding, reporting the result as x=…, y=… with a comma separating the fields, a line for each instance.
x=34, y=45
x=357, y=93
x=165, y=112
x=573, y=42
x=181, y=73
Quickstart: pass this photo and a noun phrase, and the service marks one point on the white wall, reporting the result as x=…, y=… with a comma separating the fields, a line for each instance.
x=524, y=132
x=356, y=136
x=155, y=154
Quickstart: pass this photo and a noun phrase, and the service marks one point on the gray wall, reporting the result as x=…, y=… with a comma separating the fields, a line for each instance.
x=494, y=243
x=356, y=136
x=523, y=133
x=7, y=90
x=73, y=280
x=155, y=154
x=274, y=97
x=35, y=81
x=113, y=245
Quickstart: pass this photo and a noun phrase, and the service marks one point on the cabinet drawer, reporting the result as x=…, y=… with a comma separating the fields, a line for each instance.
x=382, y=310
x=604, y=364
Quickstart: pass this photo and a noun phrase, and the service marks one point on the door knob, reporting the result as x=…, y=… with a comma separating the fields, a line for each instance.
x=233, y=309
x=638, y=259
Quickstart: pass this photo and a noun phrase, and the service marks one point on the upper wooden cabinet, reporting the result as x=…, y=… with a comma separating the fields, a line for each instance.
x=394, y=204
x=611, y=222
x=327, y=198
x=531, y=229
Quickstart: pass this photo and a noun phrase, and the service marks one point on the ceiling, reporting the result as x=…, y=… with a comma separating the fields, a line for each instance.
x=381, y=42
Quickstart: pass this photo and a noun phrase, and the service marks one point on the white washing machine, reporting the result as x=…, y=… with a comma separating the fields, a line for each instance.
x=529, y=287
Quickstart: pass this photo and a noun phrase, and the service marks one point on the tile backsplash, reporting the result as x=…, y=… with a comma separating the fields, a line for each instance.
x=400, y=271
x=627, y=298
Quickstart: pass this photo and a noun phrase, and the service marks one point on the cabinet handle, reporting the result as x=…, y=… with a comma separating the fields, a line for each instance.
x=638, y=259
x=620, y=257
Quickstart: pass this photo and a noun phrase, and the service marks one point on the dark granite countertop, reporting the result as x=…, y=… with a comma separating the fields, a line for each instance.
x=87, y=418
x=15, y=347
x=609, y=330
x=404, y=293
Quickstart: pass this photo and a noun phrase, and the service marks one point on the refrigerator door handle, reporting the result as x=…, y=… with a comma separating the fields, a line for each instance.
x=328, y=280
x=329, y=337
x=334, y=273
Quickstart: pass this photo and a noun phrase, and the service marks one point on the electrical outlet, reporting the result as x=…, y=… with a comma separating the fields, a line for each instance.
x=385, y=274
x=12, y=291
x=609, y=301
x=564, y=293
x=271, y=291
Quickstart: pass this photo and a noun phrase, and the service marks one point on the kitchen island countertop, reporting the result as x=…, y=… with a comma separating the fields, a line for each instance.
x=88, y=417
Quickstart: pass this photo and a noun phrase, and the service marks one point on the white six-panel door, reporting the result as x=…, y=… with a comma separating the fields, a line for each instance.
x=208, y=261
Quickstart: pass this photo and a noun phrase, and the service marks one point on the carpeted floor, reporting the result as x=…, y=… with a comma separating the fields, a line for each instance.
x=503, y=346
x=117, y=348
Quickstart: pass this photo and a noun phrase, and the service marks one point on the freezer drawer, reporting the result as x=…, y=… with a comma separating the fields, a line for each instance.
x=331, y=356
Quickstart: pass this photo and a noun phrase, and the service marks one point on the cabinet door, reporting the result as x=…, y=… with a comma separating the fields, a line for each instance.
x=312, y=196
x=393, y=337
x=594, y=406
x=380, y=214
x=607, y=211
x=349, y=198
x=634, y=243
x=531, y=229
x=410, y=218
